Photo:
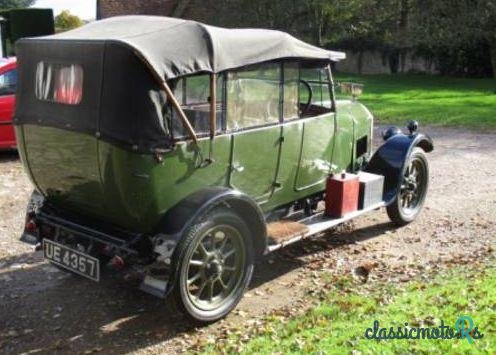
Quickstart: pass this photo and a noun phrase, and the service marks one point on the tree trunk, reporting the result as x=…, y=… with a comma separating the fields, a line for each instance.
x=180, y=8
x=492, y=53
x=360, y=62
x=318, y=23
x=394, y=61
x=403, y=56
x=402, y=37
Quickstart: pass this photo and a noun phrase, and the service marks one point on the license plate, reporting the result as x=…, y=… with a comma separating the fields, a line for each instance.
x=73, y=260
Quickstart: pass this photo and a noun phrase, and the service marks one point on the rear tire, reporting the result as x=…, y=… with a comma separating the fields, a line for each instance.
x=214, y=263
x=411, y=190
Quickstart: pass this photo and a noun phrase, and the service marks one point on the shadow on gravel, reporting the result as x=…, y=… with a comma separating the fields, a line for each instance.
x=9, y=155
x=47, y=310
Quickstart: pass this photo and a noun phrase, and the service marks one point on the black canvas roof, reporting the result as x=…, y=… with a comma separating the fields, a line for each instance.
x=176, y=47
x=122, y=100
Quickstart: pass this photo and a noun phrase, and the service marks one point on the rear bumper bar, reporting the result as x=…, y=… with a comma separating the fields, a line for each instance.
x=47, y=218
x=90, y=233
x=122, y=243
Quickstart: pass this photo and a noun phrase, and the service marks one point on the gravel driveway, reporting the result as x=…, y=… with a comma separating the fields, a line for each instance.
x=45, y=310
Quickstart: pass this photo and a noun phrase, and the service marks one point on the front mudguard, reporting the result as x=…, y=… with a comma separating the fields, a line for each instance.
x=390, y=159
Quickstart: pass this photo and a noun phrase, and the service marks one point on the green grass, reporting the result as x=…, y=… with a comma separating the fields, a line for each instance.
x=433, y=100
x=337, y=324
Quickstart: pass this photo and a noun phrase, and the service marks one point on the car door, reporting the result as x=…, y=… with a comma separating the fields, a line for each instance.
x=8, y=83
x=252, y=118
x=317, y=139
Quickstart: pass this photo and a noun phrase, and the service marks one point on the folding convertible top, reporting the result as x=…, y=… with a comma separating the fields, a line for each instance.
x=176, y=47
x=127, y=63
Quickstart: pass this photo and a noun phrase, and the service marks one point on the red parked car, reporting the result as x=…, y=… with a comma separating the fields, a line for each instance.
x=8, y=84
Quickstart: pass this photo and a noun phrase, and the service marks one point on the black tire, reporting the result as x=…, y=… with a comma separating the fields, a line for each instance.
x=226, y=276
x=412, y=189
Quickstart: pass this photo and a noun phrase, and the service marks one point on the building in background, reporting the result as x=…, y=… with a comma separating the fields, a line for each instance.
x=199, y=10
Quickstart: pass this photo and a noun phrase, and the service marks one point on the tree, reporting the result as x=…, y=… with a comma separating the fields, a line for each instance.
x=455, y=24
x=180, y=8
x=486, y=16
x=66, y=21
x=15, y=4
x=458, y=35
x=281, y=14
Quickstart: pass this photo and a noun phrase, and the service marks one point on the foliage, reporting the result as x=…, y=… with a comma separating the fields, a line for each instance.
x=458, y=29
x=337, y=325
x=66, y=21
x=431, y=100
x=15, y=4
x=433, y=28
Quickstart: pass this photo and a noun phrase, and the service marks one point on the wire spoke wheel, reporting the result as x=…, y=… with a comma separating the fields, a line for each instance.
x=412, y=189
x=214, y=263
x=215, y=267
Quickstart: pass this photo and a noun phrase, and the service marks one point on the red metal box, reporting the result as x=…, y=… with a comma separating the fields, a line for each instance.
x=342, y=194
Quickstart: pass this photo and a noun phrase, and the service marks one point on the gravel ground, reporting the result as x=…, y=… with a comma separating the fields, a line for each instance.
x=45, y=310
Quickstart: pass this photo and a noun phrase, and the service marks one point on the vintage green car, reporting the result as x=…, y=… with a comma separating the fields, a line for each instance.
x=178, y=152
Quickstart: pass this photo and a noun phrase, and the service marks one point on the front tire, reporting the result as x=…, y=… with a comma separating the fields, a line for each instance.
x=412, y=189
x=214, y=263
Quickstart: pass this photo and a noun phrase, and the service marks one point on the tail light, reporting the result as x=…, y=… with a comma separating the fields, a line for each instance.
x=31, y=225
x=117, y=262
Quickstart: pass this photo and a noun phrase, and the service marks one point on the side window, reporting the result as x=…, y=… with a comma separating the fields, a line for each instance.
x=253, y=97
x=291, y=80
x=315, y=96
x=59, y=83
x=193, y=94
x=8, y=82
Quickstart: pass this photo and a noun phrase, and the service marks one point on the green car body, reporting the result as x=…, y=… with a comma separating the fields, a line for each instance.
x=132, y=190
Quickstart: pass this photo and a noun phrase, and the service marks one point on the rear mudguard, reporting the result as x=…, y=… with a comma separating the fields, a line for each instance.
x=390, y=159
x=195, y=208
x=191, y=210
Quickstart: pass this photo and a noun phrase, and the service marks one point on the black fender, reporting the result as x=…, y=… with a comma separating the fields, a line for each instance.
x=191, y=209
x=389, y=160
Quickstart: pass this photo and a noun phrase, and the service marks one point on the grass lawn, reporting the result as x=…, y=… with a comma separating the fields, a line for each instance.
x=337, y=324
x=432, y=100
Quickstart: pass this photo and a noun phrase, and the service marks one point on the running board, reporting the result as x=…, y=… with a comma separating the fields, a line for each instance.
x=314, y=225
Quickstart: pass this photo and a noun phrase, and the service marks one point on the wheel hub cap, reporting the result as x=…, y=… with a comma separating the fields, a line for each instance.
x=214, y=269
x=412, y=187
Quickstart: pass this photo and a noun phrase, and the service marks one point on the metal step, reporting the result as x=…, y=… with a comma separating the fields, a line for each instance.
x=284, y=229
x=316, y=224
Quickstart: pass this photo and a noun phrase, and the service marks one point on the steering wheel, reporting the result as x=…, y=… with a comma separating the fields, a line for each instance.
x=310, y=94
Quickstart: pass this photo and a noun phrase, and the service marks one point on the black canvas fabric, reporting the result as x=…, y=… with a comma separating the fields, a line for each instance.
x=30, y=110
x=132, y=105
x=176, y=47
x=121, y=59
x=121, y=102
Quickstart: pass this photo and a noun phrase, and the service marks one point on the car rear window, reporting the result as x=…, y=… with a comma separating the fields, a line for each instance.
x=59, y=83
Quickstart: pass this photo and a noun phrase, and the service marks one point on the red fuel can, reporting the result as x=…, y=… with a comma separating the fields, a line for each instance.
x=342, y=194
